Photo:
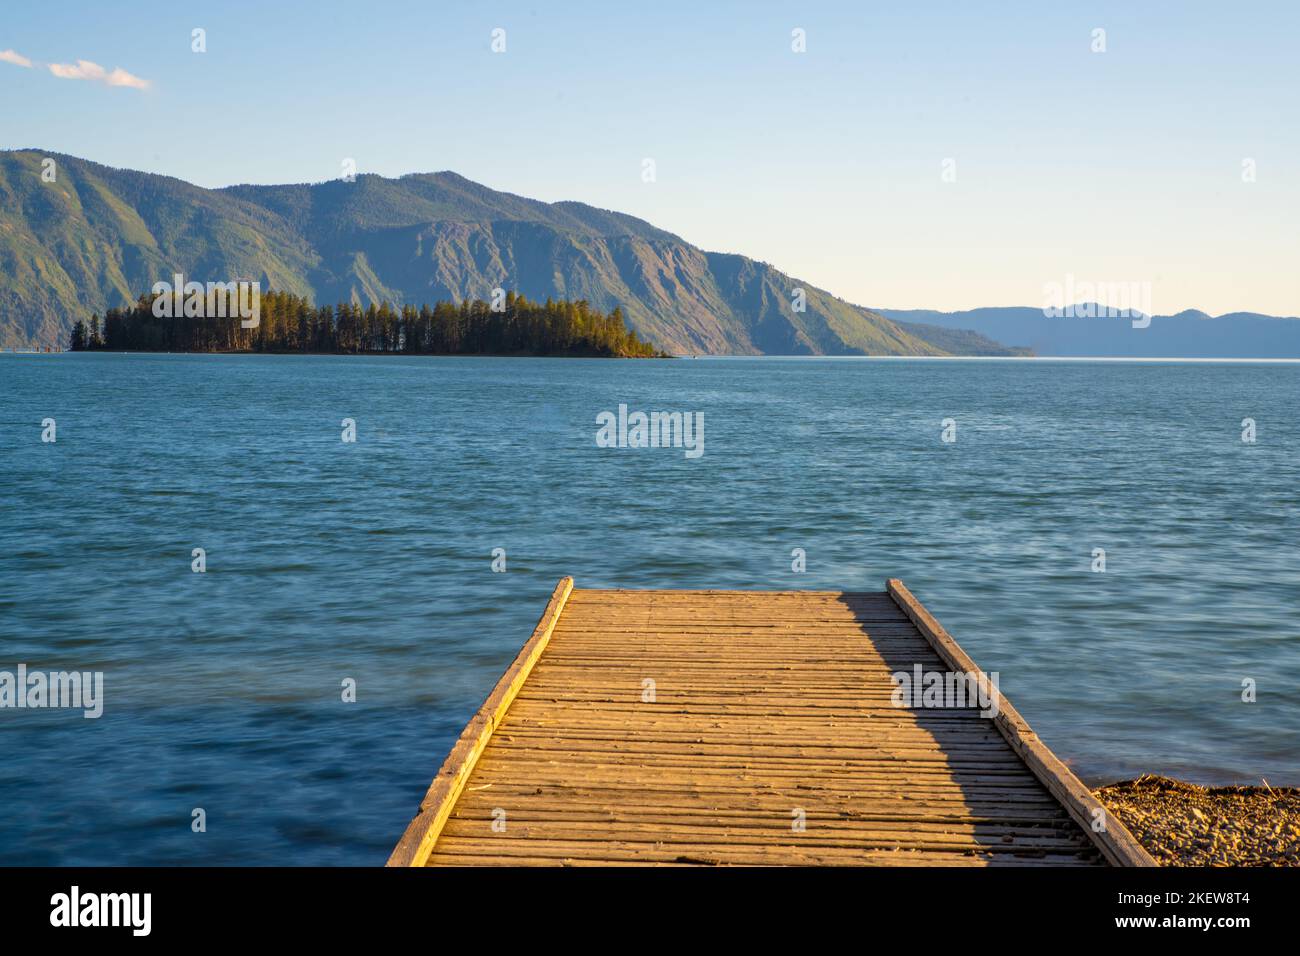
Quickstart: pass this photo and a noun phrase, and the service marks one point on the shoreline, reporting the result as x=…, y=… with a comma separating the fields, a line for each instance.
x=1186, y=824
x=716, y=357
x=559, y=355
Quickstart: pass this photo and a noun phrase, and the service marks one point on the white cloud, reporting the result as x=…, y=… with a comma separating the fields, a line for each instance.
x=17, y=59
x=86, y=70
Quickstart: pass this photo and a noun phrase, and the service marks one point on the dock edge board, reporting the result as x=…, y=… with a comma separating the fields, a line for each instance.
x=417, y=842
x=1116, y=843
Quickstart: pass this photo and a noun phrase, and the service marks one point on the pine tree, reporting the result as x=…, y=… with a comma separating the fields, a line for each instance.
x=289, y=323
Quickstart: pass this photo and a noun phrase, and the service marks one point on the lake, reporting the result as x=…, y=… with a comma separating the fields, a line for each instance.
x=371, y=561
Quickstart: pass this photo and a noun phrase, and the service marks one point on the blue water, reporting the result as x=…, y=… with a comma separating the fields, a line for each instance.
x=371, y=561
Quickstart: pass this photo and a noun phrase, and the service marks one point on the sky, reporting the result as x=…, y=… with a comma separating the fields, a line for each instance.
x=914, y=155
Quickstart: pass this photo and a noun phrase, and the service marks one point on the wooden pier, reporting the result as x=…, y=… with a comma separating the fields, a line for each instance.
x=751, y=728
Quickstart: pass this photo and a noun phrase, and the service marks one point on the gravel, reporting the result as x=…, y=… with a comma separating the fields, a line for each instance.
x=1183, y=824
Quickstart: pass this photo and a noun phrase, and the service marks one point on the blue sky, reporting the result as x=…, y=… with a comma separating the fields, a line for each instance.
x=1111, y=167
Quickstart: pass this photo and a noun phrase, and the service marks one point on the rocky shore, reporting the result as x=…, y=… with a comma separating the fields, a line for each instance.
x=1183, y=824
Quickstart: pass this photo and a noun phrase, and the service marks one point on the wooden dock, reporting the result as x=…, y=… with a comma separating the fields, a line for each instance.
x=751, y=728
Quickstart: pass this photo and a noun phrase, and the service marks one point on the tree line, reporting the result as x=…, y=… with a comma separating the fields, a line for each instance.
x=290, y=323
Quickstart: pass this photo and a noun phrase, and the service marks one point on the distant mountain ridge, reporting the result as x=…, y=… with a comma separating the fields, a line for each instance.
x=98, y=237
x=1187, y=334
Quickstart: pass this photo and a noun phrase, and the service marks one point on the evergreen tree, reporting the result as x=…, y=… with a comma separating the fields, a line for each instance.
x=289, y=323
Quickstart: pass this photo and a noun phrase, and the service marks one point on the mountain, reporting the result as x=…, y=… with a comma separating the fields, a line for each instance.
x=97, y=237
x=961, y=341
x=1189, y=334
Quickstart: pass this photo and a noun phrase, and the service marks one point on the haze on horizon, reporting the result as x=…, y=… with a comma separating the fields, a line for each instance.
x=1117, y=166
